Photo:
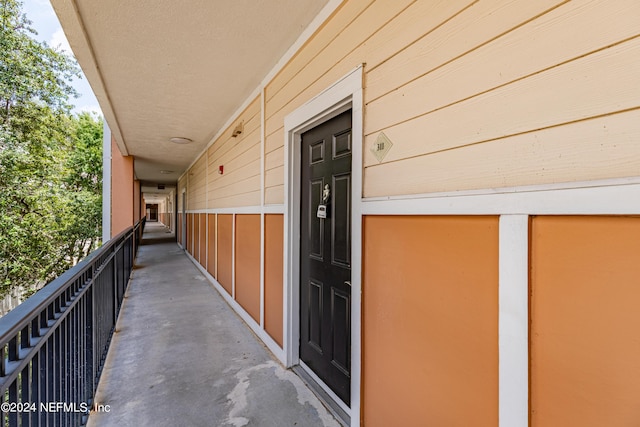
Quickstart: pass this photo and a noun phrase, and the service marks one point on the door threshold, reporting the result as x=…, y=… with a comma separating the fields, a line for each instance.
x=335, y=407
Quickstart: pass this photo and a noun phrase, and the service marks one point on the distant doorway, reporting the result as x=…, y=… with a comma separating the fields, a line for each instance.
x=152, y=212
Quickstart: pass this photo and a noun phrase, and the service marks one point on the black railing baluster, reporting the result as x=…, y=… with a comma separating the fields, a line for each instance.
x=25, y=394
x=13, y=397
x=43, y=356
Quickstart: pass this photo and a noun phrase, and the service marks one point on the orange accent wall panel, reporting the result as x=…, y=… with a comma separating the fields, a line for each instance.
x=585, y=350
x=189, y=245
x=273, y=277
x=196, y=237
x=211, y=244
x=202, y=257
x=225, y=254
x=248, y=264
x=122, y=196
x=430, y=321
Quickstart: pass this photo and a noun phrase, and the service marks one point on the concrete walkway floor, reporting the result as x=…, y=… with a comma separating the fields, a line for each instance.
x=181, y=357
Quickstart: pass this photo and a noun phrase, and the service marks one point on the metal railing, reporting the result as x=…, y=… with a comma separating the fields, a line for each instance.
x=53, y=345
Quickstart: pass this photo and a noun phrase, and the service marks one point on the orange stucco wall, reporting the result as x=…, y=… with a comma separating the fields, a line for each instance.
x=203, y=240
x=122, y=191
x=211, y=243
x=273, y=277
x=138, y=203
x=225, y=242
x=430, y=321
x=585, y=316
x=248, y=264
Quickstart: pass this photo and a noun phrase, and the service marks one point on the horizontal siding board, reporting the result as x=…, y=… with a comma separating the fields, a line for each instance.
x=472, y=28
x=239, y=186
x=251, y=118
x=274, y=159
x=274, y=177
x=598, y=84
x=275, y=140
x=198, y=182
x=536, y=46
x=346, y=52
x=373, y=18
x=249, y=136
x=332, y=28
x=245, y=153
x=236, y=201
x=601, y=148
x=413, y=24
x=274, y=195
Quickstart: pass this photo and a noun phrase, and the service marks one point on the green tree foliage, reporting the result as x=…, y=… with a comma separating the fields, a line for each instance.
x=50, y=161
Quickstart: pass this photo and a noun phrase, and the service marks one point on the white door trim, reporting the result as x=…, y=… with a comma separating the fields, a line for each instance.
x=345, y=94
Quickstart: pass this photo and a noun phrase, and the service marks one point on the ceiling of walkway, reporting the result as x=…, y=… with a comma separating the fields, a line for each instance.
x=177, y=68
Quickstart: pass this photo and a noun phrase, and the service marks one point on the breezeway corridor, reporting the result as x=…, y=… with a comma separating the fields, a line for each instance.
x=181, y=357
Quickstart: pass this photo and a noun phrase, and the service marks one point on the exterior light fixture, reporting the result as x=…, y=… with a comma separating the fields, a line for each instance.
x=165, y=172
x=180, y=140
x=238, y=130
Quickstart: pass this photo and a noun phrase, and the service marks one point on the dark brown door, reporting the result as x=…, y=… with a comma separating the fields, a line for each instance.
x=325, y=253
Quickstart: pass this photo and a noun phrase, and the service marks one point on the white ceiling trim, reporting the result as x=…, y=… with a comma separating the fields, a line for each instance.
x=69, y=16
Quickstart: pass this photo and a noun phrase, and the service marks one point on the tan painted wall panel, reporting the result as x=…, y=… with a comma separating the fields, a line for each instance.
x=237, y=147
x=244, y=199
x=430, y=321
x=451, y=40
x=248, y=264
x=346, y=51
x=410, y=26
x=273, y=276
x=359, y=30
x=340, y=19
x=250, y=118
x=274, y=158
x=225, y=252
x=238, y=168
x=241, y=158
x=198, y=184
x=274, y=195
x=182, y=185
x=251, y=184
x=585, y=367
x=570, y=92
x=211, y=244
x=512, y=57
x=274, y=177
x=274, y=140
x=593, y=149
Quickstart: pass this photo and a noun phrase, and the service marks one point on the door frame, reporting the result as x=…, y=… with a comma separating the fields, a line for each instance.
x=343, y=95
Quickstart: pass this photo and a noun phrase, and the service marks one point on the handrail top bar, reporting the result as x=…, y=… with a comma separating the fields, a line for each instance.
x=14, y=321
